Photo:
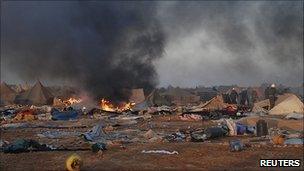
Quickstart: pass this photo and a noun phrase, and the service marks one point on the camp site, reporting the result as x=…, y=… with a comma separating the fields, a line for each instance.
x=151, y=85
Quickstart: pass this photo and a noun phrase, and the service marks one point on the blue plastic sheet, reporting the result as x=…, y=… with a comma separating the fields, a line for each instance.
x=241, y=129
x=294, y=141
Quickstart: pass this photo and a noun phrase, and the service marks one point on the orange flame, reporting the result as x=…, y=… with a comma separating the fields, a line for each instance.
x=106, y=105
x=72, y=100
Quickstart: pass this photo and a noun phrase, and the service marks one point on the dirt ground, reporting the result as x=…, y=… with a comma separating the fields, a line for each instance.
x=209, y=155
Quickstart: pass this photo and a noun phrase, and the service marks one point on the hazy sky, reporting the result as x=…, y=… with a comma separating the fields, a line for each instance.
x=231, y=43
x=201, y=43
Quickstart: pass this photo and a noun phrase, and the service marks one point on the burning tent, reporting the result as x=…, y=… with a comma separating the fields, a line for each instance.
x=7, y=94
x=37, y=95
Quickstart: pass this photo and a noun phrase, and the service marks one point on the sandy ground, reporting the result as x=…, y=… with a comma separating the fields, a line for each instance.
x=210, y=155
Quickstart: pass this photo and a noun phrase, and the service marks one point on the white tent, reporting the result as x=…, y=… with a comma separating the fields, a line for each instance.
x=292, y=104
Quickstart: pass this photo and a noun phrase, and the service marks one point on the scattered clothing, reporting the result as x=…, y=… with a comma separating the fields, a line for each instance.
x=96, y=134
x=25, y=145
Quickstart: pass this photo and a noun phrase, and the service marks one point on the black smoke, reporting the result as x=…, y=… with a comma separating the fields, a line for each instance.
x=102, y=47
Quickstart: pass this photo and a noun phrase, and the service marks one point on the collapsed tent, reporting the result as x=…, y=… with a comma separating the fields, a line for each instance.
x=7, y=94
x=292, y=104
x=216, y=103
x=37, y=95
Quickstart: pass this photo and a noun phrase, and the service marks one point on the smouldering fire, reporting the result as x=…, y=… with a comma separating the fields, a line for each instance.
x=106, y=105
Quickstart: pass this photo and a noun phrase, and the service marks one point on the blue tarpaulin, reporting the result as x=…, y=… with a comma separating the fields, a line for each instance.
x=64, y=115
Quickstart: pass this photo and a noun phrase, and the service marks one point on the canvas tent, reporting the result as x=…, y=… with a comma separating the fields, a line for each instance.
x=291, y=104
x=205, y=93
x=7, y=94
x=180, y=96
x=37, y=95
x=266, y=104
x=156, y=98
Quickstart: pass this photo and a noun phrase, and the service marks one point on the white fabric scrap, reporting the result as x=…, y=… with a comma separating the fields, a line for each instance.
x=159, y=152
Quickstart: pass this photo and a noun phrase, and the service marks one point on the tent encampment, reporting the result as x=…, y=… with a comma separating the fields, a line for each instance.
x=7, y=94
x=37, y=95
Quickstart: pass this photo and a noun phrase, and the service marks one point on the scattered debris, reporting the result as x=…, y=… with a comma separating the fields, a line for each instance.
x=190, y=117
x=25, y=115
x=236, y=145
x=98, y=147
x=137, y=123
x=57, y=134
x=176, y=137
x=162, y=110
x=198, y=136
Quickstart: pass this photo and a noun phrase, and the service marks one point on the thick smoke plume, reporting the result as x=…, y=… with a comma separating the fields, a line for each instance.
x=103, y=47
